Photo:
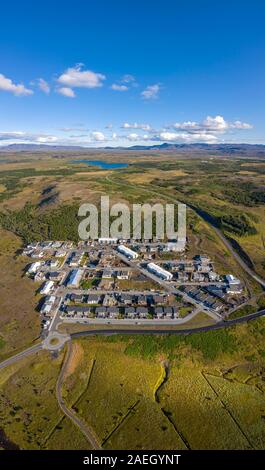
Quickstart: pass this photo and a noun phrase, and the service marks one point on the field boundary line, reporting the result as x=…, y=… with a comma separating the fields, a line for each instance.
x=116, y=427
x=227, y=410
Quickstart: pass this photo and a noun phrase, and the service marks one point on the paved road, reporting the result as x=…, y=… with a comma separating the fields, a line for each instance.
x=242, y=263
x=69, y=412
x=141, y=331
x=11, y=360
x=205, y=217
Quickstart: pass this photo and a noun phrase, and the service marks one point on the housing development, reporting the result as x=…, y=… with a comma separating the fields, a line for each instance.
x=118, y=282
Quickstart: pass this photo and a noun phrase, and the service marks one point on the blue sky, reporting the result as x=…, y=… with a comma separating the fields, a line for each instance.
x=132, y=72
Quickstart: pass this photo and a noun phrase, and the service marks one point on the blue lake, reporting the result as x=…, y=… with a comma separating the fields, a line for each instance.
x=103, y=164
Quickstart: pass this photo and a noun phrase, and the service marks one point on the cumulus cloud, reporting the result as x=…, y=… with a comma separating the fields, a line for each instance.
x=151, y=92
x=65, y=91
x=207, y=131
x=44, y=86
x=76, y=77
x=240, y=125
x=6, y=84
x=134, y=137
x=210, y=124
x=98, y=136
x=135, y=125
x=117, y=87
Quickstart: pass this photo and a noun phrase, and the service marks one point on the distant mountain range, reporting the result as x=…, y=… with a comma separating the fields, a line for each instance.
x=37, y=147
x=208, y=149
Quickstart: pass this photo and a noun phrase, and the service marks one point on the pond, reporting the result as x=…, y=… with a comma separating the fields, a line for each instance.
x=103, y=164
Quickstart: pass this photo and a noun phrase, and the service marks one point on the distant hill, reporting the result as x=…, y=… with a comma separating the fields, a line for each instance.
x=37, y=147
x=206, y=149
x=228, y=149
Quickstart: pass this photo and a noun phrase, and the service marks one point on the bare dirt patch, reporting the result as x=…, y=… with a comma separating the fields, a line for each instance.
x=76, y=358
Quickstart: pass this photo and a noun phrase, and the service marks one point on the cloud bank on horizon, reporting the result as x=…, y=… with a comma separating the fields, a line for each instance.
x=208, y=131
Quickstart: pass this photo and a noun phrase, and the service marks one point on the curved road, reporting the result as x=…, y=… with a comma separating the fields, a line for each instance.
x=69, y=412
x=225, y=241
x=218, y=232
x=141, y=331
x=205, y=216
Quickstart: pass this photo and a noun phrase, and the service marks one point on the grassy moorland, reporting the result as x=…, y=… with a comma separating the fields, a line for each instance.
x=19, y=321
x=124, y=387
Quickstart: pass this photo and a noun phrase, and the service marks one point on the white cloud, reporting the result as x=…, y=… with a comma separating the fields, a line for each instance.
x=75, y=77
x=133, y=137
x=151, y=92
x=216, y=125
x=65, y=91
x=128, y=78
x=47, y=139
x=98, y=136
x=22, y=137
x=44, y=86
x=144, y=127
x=186, y=137
x=6, y=84
x=117, y=87
x=241, y=125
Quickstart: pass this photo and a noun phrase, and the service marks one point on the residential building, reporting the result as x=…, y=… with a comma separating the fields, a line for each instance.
x=123, y=275
x=46, y=287
x=108, y=241
x=46, y=309
x=168, y=312
x=113, y=312
x=130, y=254
x=77, y=298
x=130, y=312
x=142, y=312
x=33, y=268
x=231, y=279
x=159, y=271
x=93, y=299
x=101, y=312
x=159, y=312
x=74, y=278
x=56, y=275
x=126, y=299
